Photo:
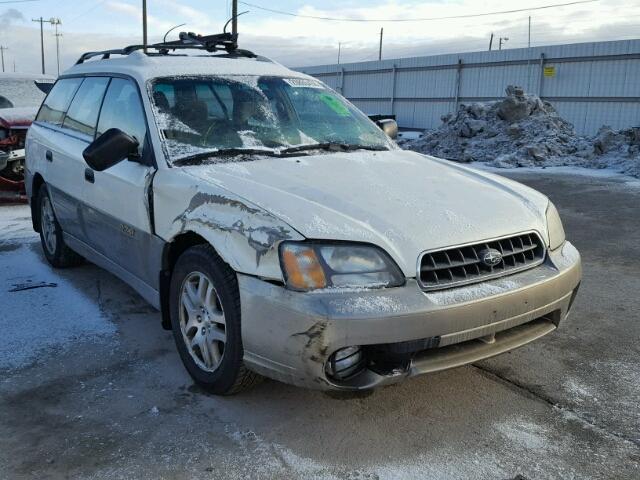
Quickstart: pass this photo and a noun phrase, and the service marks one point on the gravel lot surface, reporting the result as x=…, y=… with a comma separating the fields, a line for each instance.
x=92, y=387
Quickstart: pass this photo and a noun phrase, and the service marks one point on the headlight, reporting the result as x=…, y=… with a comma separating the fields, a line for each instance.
x=554, y=226
x=310, y=266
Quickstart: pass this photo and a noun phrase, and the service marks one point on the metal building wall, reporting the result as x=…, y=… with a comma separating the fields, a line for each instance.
x=595, y=84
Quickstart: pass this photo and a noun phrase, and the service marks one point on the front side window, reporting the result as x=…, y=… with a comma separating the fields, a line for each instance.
x=57, y=102
x=200, y=114
x=83, y=112
x=122, y=109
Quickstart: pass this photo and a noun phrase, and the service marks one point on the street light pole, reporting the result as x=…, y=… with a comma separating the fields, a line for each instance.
x=380, y=49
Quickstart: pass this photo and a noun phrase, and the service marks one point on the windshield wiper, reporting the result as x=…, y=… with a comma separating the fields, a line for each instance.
x=231, y=152
x=223, y=152
x=332, y=147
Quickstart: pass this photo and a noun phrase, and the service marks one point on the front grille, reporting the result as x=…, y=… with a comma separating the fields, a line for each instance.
x=462, y=265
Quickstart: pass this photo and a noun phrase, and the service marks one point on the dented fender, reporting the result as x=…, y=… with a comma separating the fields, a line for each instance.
x=243, y=234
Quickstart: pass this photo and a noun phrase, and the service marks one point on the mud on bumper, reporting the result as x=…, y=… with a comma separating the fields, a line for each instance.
x=403, y=332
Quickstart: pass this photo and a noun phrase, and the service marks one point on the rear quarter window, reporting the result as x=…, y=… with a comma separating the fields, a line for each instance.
x=57, y=102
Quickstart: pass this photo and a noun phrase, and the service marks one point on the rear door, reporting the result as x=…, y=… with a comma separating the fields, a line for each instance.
x=116, y=200
x=65, y=126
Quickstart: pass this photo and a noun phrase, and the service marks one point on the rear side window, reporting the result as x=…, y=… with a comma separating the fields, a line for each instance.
x=122, y=109
x=58, y=100
x=83, y=112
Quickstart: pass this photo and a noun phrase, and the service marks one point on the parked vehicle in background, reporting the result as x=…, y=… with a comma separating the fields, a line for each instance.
x=279, y=230
x=20, y=98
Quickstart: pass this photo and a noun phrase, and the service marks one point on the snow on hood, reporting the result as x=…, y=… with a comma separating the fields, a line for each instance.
x=18, y=117
x=401, y=201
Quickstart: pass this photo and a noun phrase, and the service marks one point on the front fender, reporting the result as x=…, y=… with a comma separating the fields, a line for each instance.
x=243, y=234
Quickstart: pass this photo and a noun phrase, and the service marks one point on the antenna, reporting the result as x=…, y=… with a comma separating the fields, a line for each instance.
x=164, y=40
x=232, y=19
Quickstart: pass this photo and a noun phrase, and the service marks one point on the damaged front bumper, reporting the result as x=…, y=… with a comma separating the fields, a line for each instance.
x=402, y=332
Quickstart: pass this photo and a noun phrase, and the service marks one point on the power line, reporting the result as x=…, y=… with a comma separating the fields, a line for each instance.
x=20, y=1
x=428, y=19
x=96, y=5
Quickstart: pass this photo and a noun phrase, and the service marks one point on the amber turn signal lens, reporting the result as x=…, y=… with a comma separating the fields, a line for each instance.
x=302, y=268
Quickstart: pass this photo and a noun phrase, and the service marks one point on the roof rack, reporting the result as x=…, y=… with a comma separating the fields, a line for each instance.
x=227, y=42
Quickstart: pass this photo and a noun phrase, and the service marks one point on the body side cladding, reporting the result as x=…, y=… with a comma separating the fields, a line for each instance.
x=32, y=194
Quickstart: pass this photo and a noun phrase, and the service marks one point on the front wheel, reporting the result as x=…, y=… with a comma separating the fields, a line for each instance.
x=205, y=320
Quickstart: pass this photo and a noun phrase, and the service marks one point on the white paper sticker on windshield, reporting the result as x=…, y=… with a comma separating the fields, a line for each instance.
x=303, y=83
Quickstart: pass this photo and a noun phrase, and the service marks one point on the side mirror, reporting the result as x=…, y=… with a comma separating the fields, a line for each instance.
x=389, y=126
x=109, y=149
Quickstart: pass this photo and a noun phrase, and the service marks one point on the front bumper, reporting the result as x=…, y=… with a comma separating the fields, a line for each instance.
x=289, y=336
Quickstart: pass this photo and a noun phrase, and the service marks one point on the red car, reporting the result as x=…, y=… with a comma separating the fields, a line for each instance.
x=20, y=99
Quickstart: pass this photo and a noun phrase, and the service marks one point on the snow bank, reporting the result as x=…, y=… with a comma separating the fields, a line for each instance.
x=524, y=131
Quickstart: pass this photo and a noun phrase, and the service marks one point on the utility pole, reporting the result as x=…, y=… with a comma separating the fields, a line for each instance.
x=502, y=40
x=380, y=50
x=2, y=49
x=144, y=24
x=529, y=41
x=491, y=41
x=339, y=51
x=41, y=20
x=55, y=22
x=234, y=17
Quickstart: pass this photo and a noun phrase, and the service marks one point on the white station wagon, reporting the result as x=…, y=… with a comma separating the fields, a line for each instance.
x=281, y=232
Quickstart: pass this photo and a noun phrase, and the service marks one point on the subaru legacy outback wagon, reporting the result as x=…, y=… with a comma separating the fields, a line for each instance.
x=281, y=232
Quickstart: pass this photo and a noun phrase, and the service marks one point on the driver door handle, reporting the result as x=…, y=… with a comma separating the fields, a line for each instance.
x=89, y=175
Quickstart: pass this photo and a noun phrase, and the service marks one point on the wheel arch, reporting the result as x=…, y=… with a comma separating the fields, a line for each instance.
x=170, y=254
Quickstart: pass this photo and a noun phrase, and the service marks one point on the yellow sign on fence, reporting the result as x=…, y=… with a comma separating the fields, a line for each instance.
x=550, y=71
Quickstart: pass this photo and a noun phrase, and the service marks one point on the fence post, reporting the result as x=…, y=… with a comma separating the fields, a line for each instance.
x=458, y=82
x=393, y=88
x=541, y=79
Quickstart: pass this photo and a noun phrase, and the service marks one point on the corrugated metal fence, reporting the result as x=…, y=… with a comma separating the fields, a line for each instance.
x=591, y=84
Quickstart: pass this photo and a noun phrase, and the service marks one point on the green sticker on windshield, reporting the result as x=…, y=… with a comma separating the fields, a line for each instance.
x=334, y=104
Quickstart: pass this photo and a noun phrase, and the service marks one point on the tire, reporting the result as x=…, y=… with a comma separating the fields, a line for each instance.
x=56, y=251
x=205, y=320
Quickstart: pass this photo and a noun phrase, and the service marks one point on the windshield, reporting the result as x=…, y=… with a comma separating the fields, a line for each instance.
x=197, y=115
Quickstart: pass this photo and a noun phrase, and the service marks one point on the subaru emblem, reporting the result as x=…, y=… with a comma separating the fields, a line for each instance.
x=490, y=257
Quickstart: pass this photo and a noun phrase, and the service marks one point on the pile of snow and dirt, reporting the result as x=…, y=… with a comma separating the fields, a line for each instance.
x=524, y=131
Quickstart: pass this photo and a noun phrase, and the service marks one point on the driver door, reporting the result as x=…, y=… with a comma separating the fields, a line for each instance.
x=116, y=203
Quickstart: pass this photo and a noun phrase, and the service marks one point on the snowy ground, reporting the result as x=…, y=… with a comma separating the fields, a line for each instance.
x=91, y=387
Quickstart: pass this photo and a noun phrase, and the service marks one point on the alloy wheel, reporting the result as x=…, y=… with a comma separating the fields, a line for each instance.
x=48, y=226
x=202, y=321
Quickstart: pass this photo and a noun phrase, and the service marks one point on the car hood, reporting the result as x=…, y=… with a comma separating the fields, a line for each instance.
x=402, y=201
x=17, y=117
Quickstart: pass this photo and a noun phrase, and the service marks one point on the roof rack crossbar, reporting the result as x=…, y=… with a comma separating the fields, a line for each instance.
x=188, y=40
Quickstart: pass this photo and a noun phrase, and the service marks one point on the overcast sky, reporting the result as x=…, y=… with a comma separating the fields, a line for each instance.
x=294, y=41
